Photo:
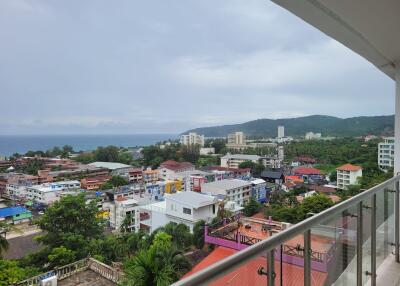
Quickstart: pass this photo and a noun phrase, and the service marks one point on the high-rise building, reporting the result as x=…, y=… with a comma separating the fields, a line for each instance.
x=281, y=131
x=192, y=139
x=386, y=153
x=237, y=138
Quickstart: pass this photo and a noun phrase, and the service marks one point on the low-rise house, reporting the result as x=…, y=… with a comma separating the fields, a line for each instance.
x=308, y=174
x=15, y=215
x=94, y=183
x=111, y=166
x=45, y=194
x=347, y=175
x=207, y=151
x=276, y=177
x=235, y=190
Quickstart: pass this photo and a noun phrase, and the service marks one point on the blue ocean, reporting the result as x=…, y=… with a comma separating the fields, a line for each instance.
x=10, y=144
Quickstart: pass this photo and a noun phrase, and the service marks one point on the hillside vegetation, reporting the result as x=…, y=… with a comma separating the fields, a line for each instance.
x=327, y=125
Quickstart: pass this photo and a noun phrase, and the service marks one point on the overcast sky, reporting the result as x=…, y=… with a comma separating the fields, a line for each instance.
x=169, y=65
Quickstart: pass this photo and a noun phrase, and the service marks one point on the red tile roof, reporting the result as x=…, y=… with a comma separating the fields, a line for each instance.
x=307, y=171
x=174, y=165
x=247, y=273
x=349, y=167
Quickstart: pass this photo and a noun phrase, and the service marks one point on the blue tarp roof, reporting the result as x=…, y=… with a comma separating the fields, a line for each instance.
x=6, y=212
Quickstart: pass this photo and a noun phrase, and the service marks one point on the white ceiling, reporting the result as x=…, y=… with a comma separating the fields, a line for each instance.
x=371, y=28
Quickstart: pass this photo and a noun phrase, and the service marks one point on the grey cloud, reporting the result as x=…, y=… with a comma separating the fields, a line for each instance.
x=165, y=66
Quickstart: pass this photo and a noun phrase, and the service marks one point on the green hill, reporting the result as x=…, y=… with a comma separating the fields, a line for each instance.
x=327, y=125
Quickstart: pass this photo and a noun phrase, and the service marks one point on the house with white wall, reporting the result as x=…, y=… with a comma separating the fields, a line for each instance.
x=347, y=175
x=183, y=207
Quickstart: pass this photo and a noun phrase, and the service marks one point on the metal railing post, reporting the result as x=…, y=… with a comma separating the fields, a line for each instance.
x=307, y=258
x=385, y=221
x=396, y=222
x=373, y=241
x=359, y=243
x=271, y=267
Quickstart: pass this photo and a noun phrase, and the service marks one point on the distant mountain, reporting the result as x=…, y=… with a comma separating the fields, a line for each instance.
x=327, y=125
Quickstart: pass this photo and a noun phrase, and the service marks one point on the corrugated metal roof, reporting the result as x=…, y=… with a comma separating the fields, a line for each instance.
x=11, y=211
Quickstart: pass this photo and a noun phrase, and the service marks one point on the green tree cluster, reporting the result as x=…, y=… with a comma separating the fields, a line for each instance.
x=285, y=207
x=252, y=207
x=115, y=181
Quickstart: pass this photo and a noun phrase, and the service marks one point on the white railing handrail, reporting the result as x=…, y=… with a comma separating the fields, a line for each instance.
x=234, y=261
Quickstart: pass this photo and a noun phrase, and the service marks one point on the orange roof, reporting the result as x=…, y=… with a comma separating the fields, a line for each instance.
x=349, y=167
x=247, y=273
x=294, y=179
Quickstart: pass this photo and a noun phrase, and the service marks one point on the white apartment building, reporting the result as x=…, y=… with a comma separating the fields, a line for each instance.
x=347, y=175
x=312, y=136
x=183, y=207
x=281, y=131
x=235, y=190
x=192, y=139
x=44, y=193
x=123, y=208
x=386, y=153
x=234, y=160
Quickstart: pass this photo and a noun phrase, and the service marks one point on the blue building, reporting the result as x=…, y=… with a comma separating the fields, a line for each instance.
x=259, y=190
x=15, y=215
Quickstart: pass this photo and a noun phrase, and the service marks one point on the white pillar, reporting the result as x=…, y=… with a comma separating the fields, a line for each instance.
x=397, y=123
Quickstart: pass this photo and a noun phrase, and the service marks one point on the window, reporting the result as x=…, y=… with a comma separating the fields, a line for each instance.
x=187, y=211
x=213, y=209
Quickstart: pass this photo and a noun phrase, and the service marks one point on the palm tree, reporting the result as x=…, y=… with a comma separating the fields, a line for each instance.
x=157, y=265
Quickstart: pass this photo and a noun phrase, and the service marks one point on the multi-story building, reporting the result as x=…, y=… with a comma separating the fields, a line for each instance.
x=312, y=136
x=234, y=190
x=125, y=208
x=386, y=153
x=259, y=190
x=94, y=183
x=170, y=168
x=150, y=176
x=14, y=180
x=237, y=140
x=43, y=194
x=192, y=139
x=347, y=175
x=183, y=207
x=281, y=131
x=234, y=160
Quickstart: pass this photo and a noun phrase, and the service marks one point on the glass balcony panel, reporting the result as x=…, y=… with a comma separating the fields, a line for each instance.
x=384, y=224
x=334, y=249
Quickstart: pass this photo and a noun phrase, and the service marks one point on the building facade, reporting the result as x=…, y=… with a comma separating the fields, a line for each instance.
x=192, y=139
x=281, y=131
x=386, y=153
x=347, y=175
x=235, y=190
x=234, y=160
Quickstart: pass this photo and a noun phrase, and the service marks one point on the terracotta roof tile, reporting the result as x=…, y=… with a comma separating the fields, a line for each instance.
x=349, y=167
